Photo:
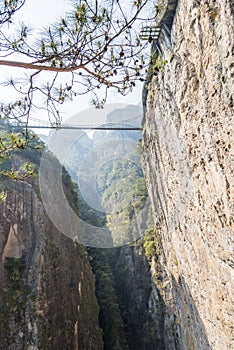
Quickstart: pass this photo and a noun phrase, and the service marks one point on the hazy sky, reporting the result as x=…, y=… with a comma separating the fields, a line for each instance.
x=40, y=13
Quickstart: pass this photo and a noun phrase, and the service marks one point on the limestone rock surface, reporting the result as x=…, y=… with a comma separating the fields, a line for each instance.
x=188, y=160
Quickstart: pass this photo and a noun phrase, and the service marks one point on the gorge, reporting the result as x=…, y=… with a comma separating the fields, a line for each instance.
x=173, y=288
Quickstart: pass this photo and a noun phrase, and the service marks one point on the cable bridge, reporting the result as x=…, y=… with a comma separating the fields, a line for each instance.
x=42, y=124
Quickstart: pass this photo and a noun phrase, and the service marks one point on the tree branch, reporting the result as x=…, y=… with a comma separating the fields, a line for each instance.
x=27, y=65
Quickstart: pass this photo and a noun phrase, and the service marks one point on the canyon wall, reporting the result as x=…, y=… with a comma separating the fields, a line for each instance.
x=47, y=291
x=188, y=164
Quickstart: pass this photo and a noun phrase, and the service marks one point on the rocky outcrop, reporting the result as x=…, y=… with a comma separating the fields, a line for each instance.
x=188, y=163
x=47, y=293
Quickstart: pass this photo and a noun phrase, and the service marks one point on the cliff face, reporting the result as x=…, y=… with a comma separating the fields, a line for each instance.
x=47, y=298
x=133, y=285
x=188, y=163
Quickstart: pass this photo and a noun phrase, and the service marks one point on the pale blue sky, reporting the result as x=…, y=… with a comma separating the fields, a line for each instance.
x=40, y=13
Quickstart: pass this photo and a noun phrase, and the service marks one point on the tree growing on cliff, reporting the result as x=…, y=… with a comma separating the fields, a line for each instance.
x=94, y=48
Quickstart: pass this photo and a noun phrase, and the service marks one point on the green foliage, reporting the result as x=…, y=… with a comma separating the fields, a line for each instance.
x=159, y=64
x=110, y=318
x=16, y=144
x=16, y=292
x=2, y=196
x=15, y=268
x=70, y=189
x=149, y=244
x=161, y=6
x=85, y=212
x=150, y=238
x=124, y=194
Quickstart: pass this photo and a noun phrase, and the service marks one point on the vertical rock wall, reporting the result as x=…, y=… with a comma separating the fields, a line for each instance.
x=188, y=162
x=47, y=292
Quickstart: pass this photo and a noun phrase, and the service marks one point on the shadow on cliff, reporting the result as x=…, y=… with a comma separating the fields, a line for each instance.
x=191, y=333
x=124, y=292
x=133, y=288
x=149, y=322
